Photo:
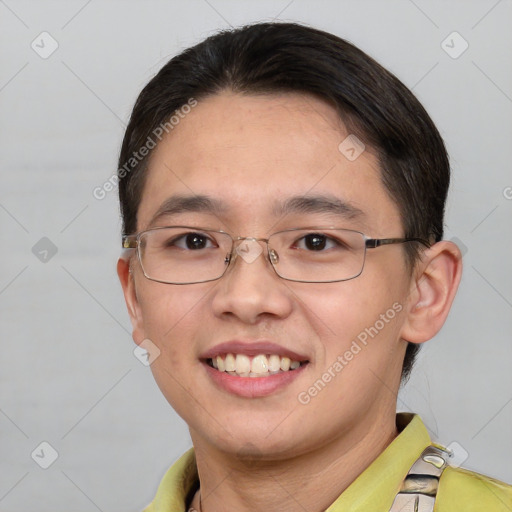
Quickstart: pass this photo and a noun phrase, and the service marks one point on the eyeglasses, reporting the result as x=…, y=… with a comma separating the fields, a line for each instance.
x=189, y=255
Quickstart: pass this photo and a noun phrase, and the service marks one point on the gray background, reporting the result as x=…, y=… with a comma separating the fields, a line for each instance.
x=68, y=375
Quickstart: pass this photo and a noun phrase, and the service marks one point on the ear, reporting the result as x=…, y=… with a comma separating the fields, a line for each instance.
x=124, y=272
x=436, y=279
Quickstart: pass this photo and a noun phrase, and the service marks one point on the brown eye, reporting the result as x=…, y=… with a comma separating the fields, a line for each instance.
x=191, y=241
x=195, y=241
x=315, y=242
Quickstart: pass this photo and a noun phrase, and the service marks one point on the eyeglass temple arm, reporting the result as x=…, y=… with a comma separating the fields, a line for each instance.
x=372, y=243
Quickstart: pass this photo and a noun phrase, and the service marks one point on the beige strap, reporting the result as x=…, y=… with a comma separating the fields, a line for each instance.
x=419, y=488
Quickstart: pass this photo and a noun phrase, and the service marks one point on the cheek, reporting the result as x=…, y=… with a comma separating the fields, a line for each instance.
x=363, y=312
x=173, y=319
x=172, y=315
x=358, y=331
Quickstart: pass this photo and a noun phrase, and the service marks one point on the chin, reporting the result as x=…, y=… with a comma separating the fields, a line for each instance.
x=255, y=440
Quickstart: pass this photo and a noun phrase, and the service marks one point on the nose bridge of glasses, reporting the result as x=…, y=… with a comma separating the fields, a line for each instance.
x=248, y=248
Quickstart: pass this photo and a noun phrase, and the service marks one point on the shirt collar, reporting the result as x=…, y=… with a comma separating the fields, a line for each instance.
x=374, y=489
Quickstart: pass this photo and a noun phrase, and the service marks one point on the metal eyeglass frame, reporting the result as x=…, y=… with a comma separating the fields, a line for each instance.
x=131, y=242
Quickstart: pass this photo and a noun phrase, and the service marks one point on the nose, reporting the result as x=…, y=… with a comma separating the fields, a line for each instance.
x=251, y=290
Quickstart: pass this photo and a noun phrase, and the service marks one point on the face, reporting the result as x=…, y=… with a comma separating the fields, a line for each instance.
x=250, y=155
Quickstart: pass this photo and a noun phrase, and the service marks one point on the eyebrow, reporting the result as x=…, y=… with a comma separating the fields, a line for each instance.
x=297, y=204
x=184, y=203
x=318, y=204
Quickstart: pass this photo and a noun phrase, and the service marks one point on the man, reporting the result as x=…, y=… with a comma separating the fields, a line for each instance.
x=282, y=198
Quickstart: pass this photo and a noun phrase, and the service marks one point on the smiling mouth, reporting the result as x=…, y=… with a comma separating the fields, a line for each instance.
x=261, y=365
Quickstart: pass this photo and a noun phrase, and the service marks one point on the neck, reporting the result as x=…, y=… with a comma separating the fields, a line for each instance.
x=227, y=483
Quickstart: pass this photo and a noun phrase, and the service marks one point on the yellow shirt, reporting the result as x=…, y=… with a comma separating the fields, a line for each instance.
x=375, y=488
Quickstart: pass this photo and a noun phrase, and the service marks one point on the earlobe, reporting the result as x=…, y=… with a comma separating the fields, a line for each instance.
x=130, y=295
x=433, y=290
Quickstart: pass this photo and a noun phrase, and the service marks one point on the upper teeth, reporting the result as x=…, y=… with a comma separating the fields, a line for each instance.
x=260, y=366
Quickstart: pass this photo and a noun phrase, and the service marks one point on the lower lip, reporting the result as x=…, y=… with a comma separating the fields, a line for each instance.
x=253, y=387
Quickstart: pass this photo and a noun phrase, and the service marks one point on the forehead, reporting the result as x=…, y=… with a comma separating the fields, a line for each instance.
x=251, y=153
